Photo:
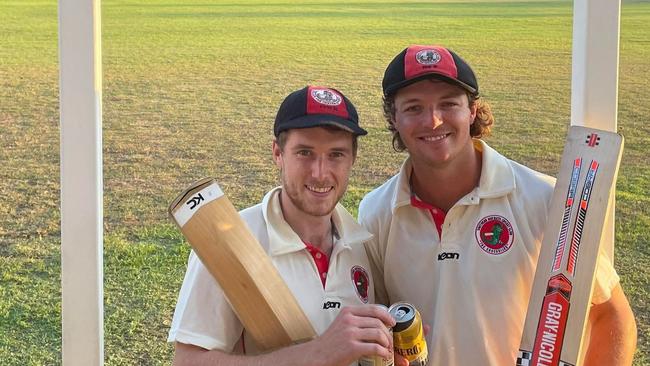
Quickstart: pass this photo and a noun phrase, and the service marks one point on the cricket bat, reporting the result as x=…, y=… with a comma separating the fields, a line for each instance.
x=564, y=278
x=259, y=296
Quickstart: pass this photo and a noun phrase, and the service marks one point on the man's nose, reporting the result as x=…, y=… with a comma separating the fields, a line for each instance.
x=436, y=117
x=318, y=167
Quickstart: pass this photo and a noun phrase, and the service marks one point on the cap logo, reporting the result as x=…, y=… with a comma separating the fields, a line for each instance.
x=327, y=97
x=428, y=57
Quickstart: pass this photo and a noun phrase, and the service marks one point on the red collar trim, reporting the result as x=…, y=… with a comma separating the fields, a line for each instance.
x=320, y=259
x=437, y=215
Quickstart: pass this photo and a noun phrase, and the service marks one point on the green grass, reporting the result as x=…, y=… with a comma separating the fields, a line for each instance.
x=191, y=89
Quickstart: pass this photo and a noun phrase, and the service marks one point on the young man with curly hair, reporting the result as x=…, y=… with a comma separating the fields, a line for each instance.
x=457, y=232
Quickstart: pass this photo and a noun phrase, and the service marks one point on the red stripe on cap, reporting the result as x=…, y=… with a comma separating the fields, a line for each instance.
x=326, y=101
x=420, y=60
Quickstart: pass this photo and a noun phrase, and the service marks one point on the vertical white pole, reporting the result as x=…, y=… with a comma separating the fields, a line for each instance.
x=81, y=183
x=594, y=85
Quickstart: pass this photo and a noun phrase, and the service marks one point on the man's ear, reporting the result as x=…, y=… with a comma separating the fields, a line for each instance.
x=473, y=108
x=277, y=154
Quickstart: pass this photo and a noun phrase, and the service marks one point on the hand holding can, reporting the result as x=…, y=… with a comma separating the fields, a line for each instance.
x=377, y=360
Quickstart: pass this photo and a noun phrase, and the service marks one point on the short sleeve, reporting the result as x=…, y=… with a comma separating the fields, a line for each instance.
x=605, y=281
x=375, y=252
x=203, y=316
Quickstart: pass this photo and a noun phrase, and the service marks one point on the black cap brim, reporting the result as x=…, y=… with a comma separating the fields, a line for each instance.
x=319, y=120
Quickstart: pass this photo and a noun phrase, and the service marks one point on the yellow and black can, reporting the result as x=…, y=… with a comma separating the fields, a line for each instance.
x=408, y=334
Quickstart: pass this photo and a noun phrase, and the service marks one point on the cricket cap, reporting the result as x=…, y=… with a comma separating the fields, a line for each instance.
x=418, y=62
x=314, y=106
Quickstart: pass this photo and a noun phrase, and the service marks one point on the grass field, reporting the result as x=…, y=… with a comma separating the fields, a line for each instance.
x=191, y=89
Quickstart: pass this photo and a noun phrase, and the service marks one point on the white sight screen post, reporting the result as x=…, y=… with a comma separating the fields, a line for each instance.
x=80, y=83
x=594, y=82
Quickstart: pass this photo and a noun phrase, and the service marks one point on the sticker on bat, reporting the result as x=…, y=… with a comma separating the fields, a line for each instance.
x=582, y=215
x=198, y=200
x=592, y=140
x=552, y=322
x=566, y=217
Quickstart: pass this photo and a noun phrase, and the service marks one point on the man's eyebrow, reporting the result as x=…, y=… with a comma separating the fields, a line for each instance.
x=341, y=149
x=302, y=146
x=410, y=100
x=305, y=146
x=453, y=94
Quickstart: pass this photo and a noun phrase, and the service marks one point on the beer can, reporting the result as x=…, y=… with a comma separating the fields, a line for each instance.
x=378, y=360
x=408, y=334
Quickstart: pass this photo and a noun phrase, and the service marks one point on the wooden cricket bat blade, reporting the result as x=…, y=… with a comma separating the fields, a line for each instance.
x=258, y=294
x=564, y=278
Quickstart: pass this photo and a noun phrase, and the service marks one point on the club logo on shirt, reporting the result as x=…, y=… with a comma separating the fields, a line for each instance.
x=494, y=234
x=361, y=282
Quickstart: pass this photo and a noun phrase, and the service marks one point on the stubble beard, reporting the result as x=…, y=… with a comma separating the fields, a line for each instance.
x=292, y=192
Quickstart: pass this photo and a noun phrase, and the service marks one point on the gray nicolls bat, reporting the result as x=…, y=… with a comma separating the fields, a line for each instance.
x=563, y=285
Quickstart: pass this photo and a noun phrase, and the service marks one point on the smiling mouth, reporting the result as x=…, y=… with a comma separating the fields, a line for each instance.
x=434, y=138
x=319, y=189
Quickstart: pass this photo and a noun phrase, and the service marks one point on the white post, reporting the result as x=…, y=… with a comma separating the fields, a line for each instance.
x=594, y=85
x=81, y=183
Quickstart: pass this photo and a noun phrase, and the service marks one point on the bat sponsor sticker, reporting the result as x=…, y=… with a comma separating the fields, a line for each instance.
x=195, y=202
x=582, y=215
x=568, y=206
x=592, y=140
x=494, y=234
x=552, y=322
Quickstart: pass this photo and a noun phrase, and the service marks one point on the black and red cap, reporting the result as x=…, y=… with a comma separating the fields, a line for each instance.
x=314, y=106
x=418, y=62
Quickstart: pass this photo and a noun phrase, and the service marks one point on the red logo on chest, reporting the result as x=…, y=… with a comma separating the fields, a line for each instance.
x=494, y=234
x=361, y=282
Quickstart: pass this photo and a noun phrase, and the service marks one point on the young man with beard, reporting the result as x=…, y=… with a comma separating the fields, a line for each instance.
x=312, y=240
x=457, y=232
